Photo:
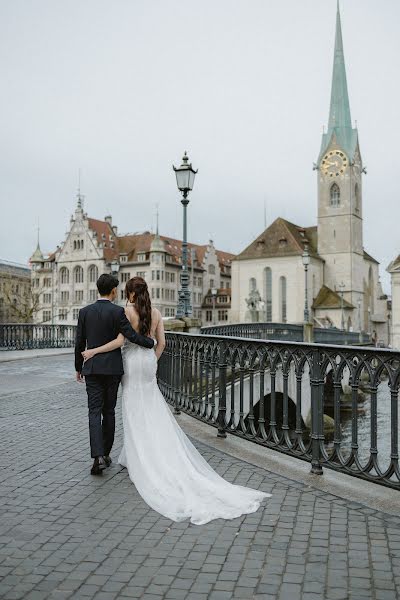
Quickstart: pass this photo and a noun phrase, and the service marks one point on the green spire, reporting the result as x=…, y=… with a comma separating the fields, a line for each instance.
x=339, y=123
x=339, y=114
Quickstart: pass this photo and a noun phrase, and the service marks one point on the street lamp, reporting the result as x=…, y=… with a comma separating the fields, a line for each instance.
x=214, y=293
x=341, y=288
x=306, y=262
x=114, y=267
x=185, y=175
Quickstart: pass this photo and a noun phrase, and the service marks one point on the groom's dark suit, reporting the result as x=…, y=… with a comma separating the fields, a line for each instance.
x=98, y=324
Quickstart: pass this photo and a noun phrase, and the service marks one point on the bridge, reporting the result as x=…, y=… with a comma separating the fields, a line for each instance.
x=311, y=539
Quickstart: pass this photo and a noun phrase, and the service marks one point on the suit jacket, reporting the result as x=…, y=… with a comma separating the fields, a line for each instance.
x=98, y=324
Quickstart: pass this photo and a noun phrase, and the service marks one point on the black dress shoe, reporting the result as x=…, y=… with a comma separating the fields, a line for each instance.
x=107, y=460
x=98, y=466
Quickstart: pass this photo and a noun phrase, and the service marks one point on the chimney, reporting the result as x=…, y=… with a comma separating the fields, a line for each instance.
x=115, y=230
x=108, y=219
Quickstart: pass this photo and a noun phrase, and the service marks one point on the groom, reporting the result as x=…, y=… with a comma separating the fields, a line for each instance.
x=98, y=324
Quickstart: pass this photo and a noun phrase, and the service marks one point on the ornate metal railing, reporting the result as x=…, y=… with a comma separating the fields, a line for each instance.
x=289, y=332
x=279, y=394
x=25, y=336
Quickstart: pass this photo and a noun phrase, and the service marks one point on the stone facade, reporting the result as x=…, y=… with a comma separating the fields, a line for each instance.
x=343, y=287
x=394, y=270
x=16, y=302
x=67, y=278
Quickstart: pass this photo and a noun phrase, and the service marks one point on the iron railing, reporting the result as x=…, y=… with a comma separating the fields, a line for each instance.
x=285, y=331
x=24, y=336
x=276, y=394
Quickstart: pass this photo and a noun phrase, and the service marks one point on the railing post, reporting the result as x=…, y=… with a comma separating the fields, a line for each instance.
x=222, y=390
x=316, y=399
x=176, y=374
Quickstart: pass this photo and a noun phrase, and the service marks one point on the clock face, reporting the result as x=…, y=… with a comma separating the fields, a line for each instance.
x=334, y=163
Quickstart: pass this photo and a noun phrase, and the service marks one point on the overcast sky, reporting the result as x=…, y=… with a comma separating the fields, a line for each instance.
x=120, y=89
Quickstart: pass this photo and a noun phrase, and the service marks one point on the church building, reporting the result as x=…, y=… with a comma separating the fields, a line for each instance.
x=343, y=287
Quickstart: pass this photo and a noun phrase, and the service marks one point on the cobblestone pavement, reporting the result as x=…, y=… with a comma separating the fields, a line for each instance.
x=65, y=534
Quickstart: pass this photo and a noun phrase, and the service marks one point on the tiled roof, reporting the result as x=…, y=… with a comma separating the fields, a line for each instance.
x=327, y=298
x=132, y=245
x=282, y=238
x=104, y=231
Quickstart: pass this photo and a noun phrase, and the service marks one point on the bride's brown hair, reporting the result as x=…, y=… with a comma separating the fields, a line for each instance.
x=142, y=302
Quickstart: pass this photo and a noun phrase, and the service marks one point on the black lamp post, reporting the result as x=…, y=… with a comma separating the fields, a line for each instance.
x=306, y=262
x=185, y=175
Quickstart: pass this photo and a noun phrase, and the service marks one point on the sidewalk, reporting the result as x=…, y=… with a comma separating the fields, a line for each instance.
x=8, y=355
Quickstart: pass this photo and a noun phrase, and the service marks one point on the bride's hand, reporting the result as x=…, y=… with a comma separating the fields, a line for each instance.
x=88, y=354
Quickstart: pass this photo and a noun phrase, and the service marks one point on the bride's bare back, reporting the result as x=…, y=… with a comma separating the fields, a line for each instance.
x=156, y=327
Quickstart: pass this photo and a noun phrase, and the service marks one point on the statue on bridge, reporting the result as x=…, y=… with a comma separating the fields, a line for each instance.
x=255, y=306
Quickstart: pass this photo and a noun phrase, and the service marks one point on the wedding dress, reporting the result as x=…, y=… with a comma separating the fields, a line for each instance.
x=167, y=470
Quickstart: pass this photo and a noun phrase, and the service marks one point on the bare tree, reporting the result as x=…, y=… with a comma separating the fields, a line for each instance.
x=20, y=300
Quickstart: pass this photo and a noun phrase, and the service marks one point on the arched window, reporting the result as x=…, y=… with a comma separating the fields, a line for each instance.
x=93, y=274
x=252, y=284
x=335, y=195
x=283, y=298
x=357, y=198
x=78, y=272
x=211, y=269
x=268, y=293
x=64, y=275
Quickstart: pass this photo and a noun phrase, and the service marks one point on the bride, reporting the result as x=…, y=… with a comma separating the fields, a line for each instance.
x=167, y=470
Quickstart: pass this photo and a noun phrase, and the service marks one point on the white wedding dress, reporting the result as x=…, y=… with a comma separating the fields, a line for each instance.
x=167, y=470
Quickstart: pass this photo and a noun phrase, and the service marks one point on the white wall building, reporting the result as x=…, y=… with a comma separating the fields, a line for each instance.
x=343, y=279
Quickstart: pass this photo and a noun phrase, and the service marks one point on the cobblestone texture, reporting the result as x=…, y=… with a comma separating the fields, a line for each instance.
x=65, y=534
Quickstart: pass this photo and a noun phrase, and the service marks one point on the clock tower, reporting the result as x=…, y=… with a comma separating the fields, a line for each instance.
x=339, y=168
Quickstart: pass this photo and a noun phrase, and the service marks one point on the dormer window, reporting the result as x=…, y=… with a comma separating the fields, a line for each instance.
x=124, y=258
x=282, y=242
x=141, y=257
x=103, y=236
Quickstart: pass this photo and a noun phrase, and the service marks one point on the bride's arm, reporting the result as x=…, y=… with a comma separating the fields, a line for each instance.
x=160, y=337
x=117, y=343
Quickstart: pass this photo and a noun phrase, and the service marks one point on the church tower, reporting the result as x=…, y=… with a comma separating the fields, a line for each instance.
x=339, y=168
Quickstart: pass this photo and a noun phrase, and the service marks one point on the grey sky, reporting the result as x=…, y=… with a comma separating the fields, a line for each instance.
x=122, y=88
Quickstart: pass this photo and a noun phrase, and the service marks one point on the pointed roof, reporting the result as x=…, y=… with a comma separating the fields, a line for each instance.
x=339, y=124
x=327, y=298
x=37, y=256
x=281, y=238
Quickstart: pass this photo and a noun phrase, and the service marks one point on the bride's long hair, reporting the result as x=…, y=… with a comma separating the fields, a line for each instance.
x=141, y=302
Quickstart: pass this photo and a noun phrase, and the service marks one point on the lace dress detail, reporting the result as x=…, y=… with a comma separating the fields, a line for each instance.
x=167, y=470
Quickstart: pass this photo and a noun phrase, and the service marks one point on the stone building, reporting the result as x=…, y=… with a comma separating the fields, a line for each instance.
x=16, y=302
x=394, y=270
x=68, y=277
x=343, y=279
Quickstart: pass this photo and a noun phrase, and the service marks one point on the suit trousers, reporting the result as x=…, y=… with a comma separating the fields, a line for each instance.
x=102, y=393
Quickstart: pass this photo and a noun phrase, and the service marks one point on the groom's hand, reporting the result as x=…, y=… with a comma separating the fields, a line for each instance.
x=79, y=377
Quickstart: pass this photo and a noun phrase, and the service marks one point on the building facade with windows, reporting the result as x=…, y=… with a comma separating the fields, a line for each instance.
x=16, y=303
x=343, y=287
x=67, y=278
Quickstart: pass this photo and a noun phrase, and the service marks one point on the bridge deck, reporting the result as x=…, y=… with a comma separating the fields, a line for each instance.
x=65, y=534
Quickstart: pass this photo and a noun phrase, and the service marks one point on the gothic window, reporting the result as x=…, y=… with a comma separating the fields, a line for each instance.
x=335, y=195
x=93, y=274
x=64, y=275
x=252, y=284
x=268, y=293
x=283, y=298
x=78, y=275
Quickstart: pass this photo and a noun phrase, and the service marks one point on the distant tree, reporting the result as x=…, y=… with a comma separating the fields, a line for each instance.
x=21, y=301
